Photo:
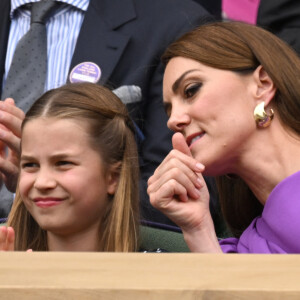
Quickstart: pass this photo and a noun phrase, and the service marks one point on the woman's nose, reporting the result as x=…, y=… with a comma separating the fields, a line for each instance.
x=178, y=120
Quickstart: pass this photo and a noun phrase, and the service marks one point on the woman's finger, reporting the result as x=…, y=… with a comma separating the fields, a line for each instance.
x=180, y=175
x=163, y=197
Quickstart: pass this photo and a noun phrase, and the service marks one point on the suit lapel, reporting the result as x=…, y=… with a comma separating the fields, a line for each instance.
x=99, y=40
x=4, y=32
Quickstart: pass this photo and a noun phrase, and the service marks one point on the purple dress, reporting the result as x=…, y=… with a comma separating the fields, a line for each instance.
x=277, y=230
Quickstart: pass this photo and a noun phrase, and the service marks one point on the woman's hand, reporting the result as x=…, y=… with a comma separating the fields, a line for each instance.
x=11, y=118
x=177, y=189
x=7, y=239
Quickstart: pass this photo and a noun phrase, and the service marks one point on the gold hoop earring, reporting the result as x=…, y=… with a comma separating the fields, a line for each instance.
x=262, y=119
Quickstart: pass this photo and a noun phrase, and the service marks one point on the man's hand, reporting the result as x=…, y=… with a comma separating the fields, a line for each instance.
x=11, y=118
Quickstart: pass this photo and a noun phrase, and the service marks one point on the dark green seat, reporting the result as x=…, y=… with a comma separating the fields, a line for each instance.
x=154, y=238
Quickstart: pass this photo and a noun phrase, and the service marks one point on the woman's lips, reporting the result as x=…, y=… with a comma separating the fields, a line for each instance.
x=191, y=139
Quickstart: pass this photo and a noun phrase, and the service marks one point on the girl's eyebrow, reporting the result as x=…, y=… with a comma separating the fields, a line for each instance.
x=26, y=157
x=58, y=156
x=178, y=81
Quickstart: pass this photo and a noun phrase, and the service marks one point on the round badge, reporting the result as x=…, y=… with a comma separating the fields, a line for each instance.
x=85, y=72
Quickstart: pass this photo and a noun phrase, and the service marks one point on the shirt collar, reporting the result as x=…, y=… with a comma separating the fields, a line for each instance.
x=80, y=4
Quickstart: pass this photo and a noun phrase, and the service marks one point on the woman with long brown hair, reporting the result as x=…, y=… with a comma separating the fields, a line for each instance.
x=232, y=93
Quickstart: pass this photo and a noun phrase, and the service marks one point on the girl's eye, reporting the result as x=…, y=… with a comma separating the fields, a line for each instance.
x=29, y=165
x=192, y=89
x=64, y=163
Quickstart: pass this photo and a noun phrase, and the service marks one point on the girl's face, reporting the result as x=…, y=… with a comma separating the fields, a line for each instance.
x=63, y=181
x=213, y=109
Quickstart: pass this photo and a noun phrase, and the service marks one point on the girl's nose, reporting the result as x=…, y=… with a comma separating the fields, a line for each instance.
x=45, y=180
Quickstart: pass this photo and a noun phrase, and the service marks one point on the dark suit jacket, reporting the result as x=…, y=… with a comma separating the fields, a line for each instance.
x=282, y=17
x=212, y=6
x=126, y=38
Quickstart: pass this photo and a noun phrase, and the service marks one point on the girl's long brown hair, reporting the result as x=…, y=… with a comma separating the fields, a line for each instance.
x=112, y=134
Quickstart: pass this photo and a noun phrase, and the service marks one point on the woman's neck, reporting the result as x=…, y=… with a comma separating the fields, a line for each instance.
x=273, y=156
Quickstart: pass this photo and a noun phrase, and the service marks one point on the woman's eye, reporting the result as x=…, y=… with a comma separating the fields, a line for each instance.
x=168, y=108
x=191, y=90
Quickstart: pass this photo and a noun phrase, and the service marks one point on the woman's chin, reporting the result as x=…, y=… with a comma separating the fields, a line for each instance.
x=211, y=167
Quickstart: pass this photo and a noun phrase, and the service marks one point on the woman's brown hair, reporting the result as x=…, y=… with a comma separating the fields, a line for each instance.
x=241, y=47
x=111, y=133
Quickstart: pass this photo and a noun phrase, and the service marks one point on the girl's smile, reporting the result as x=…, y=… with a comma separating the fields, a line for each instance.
x=63, y=180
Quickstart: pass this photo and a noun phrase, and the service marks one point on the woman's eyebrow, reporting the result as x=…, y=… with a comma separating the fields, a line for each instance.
x=178, y=81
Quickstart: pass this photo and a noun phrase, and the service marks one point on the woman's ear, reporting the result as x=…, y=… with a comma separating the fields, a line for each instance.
x=112, y=178
x=265, y=88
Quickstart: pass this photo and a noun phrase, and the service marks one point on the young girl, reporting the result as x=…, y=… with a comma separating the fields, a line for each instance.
x=78, y=183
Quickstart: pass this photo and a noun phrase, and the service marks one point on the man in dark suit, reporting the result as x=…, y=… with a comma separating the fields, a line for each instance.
x=281, y=17
x=126, y=38
x=212, y=6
